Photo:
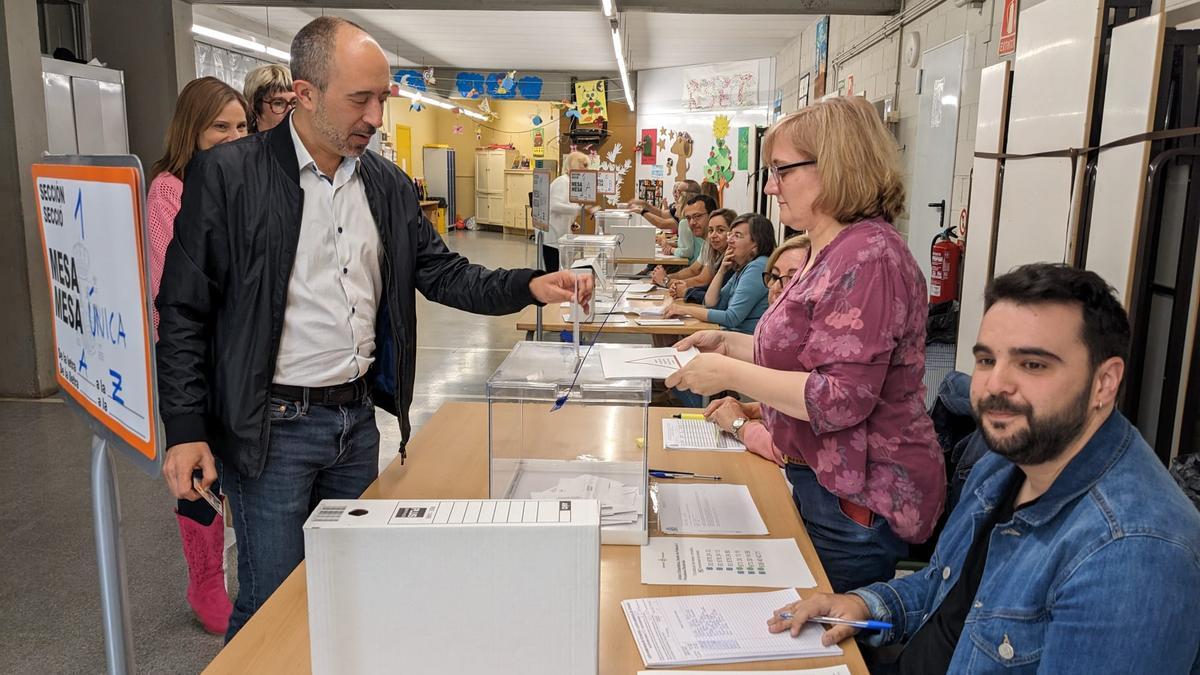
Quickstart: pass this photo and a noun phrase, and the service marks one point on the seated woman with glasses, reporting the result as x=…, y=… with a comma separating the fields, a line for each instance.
x=737, y=297
x=838, y=361
x=788, y=257
x=690, y=282
x=268, y=89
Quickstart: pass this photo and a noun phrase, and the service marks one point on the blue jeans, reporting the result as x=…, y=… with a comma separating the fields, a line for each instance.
x=315, y=452
x=852, y=554
x=688, y=399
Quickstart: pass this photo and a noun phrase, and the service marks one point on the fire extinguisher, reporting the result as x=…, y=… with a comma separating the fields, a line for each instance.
x=945, y=254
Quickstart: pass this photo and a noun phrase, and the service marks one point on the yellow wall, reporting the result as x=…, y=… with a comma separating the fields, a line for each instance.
x=434, y=125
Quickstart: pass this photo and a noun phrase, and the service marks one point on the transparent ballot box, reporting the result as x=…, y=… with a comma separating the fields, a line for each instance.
x=592, y=447
x=599, y=251
x=609, y=218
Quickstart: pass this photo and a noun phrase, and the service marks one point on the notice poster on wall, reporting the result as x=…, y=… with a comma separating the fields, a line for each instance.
x=541, y=199
x=1008, y=29
x=606, y=182
x=822, y=42
x=649, y=144
x=91, y=227
x=583, y=186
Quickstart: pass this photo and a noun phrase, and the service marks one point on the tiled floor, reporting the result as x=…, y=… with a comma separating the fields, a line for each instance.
x=49, y=593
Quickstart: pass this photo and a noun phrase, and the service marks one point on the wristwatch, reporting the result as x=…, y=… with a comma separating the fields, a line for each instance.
x=737, y=425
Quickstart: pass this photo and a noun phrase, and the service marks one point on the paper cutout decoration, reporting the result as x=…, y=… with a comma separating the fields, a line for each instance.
x=571, y=110
x=591, y=99
x=682, y=149
x=670, y=165
x=409, y=78
x=610, y=164
x=662, y=131
x=649, y=149
x=478, y=133
x=721, y=86
x=427, y=76
x=507, y=83
x=743, y=157
x=537, y=120
x=458, y=129
x=416, y=106
x=485, y=107
x=469, y=84
x=719, y=167
x=662, y=144
x=494, y=86
x=530, y=87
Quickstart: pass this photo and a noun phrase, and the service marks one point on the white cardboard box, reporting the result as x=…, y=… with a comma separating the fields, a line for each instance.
x=454, y=586
x=634, y=240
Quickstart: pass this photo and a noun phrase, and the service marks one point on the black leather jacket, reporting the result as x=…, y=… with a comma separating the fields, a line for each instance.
x=224, y=290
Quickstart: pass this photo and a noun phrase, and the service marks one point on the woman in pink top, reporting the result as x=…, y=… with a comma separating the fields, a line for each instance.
x=838, y=361
x=208, y=112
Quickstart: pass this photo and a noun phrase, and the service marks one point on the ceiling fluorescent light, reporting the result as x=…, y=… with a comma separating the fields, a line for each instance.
x=229, y=39
x=279, y=54
x=607, y=6
x=616, y=38
x=437, y=101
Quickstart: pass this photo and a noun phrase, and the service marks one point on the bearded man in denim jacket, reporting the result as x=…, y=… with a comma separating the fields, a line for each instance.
x=1071, y=550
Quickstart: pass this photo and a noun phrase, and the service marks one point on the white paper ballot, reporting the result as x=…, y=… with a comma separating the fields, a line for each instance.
x=831, y=670
x=645, y=296
x=618, y=502
x=691, y=508
x=659, y=322
x=695, y=630
x=698, y=435
x=693, y=561
x=635, y=287
x=606, y=319
x=652, y=362
x=654, y=311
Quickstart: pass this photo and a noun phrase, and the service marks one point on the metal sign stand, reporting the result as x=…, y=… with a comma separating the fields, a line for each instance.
x=110, y=557
x=541, y=265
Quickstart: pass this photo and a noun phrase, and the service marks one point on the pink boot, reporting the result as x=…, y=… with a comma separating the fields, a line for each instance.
x=203, y=547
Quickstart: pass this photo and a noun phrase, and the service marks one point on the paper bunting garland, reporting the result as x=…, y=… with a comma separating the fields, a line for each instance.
x=427, y=75
x=507, y=83
x=458, y=129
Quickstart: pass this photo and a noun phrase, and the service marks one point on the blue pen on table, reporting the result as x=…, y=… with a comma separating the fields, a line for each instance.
x=662, y=473
x=865, y=625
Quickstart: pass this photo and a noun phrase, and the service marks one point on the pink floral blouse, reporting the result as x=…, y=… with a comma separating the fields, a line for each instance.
x=162, y=205
x=856, y=323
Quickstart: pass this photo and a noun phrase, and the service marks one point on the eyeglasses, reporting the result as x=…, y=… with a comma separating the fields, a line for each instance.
x=281, y=105
x=772, y=172
x=770, y=278
x=696, y=217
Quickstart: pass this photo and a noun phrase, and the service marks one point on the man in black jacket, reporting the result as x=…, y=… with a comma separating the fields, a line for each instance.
x=287, y=307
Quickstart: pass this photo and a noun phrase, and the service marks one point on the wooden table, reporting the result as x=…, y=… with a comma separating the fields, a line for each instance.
x=447, y=459
x=552, y=321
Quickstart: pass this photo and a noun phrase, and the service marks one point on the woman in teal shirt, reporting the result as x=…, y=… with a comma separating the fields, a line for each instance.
x=737, y=296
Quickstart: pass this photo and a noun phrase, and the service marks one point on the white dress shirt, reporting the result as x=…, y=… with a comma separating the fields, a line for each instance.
x=329, y=322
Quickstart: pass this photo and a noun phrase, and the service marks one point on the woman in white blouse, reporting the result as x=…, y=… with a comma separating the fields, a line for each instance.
x=563, y=213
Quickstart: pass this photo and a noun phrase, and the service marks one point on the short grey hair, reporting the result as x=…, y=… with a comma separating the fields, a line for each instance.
x=312, y=49
x=264, y=81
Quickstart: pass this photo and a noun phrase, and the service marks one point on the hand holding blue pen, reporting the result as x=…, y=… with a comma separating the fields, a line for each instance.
x=663, y=473
x=846, y=613
x=869, y=624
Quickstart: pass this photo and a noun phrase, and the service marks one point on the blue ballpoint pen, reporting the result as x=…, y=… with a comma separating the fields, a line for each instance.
x=865, y=625
x=660, y=473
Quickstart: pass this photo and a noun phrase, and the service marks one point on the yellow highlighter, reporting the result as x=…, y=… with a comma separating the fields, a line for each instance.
x=688, y=416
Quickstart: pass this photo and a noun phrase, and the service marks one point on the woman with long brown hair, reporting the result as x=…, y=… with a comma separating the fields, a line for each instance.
x=208, y=112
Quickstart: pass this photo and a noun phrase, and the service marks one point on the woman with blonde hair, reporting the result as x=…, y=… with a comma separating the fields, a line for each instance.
x=837, y=362
x=208, y=112
x=268, y=90
x=563, y=212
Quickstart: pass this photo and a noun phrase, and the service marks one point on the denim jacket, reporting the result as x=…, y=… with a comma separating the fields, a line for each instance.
x=1100, y=575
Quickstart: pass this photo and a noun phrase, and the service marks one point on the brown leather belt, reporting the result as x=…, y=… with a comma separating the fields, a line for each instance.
x=338, y=394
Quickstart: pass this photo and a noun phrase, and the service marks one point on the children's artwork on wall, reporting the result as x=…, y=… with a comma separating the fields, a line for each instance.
x=591, y=100
x=802, y=92
x=428, y=77
x=743, y=154
x=539, y=142
x=530, y=87
x=649, y=146
x=410, y=78
x=726, y=85
x=822, y=42
x=718, y=168
x=610, y=164
x=682, y=149
x=651, y=191
x=507, y=83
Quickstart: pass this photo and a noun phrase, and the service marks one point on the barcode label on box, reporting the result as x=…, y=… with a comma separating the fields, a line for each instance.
x=329, y=514
x=417, y=512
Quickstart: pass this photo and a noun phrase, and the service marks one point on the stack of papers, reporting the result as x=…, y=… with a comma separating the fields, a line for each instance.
x=832, y=670
x=645, y=296
x=618, y=502
x=693, y=561
x=698, y=435
x=702, y=629
x=634, y=287
x=656, y=363
x=606, y=319
x=694, y=508
x=651, y=312
x=659, y=322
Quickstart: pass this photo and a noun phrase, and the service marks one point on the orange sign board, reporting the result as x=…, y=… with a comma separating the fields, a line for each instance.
x=90, y=221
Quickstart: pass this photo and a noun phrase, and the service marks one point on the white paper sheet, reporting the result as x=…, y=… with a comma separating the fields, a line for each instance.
x=618, y=502
x=698, y=435
x=654, y=311
x=659, y=322
x=635, y=287
x=695, y=508
x=653, y=362
x=831, y=670
x=731, y=628
x=613, y=320
x=645, y=296
x=695, y=561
